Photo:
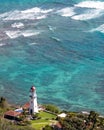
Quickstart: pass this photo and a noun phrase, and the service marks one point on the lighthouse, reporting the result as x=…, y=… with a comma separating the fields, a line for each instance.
x=33, y=101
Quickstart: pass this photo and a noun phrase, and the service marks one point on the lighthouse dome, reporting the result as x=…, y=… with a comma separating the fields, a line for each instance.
x=33, y=88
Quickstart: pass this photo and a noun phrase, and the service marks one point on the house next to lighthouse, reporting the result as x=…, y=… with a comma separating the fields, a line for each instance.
x=33, y=107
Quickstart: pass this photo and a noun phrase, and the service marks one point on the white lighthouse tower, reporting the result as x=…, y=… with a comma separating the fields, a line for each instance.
x=33, y=101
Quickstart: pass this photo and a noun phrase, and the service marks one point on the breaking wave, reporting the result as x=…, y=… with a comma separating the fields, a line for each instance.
x=29, y=33
x=36, y=10
x=94, y=9
x=100, y=29
x=66, y=12
x=41, y=17
x=13, y=34
x=90, y=14
x=2, y=44
x=26, y=33
x=17, y=25
x=31, y=14
x=91, y=4
x=52, y=51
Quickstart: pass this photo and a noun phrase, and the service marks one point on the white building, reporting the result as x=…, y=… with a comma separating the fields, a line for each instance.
x=33, y=101
x=63, y=115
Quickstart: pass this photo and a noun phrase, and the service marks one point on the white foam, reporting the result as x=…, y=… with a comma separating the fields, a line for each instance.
x=41, y=17
x=32, y=43
x=32, y=10
x=13, y=34
x=12, y=15
x=4, y=14
x=26, y=33
x=85, y=112
x=100, y=29
x=17, y=15
x=37, y=10
x=31, y=14
x=56, y=39
x=92, y=13
x=51, y=28
x=91, y=4
x=17, y=25
x=67, y=12
x=29, y=33
x=2, y=44
x=47, y=11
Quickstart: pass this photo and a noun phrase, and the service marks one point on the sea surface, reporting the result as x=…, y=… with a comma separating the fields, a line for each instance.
x=57, y=46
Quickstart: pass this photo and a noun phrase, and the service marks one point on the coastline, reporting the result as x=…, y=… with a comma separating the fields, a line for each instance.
x=12, y=104
x=48, y=114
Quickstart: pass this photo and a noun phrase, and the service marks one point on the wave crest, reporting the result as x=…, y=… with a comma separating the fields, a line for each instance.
x=26, y=33
x=31, y=14
x=91, y=4
x=100, y=29
x=2, y=44
x=66, y=12
x=93, y=13
x=17, y=25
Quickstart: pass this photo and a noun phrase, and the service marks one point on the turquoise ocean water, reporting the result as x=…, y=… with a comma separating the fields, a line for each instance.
x=56, y=45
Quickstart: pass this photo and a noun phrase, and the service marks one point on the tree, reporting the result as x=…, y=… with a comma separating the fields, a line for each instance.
x=101, y=122
x=52, y=108
x=93, y=117
x=72, y=123
x=3, y=103
x=7, y=125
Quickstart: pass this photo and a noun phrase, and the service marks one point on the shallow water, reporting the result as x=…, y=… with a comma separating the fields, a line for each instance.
x=58, y=46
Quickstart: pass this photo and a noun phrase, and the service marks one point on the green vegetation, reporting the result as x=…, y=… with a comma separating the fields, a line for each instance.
x=76, y=121
x=3, y=103
x=3, y=106
x=8, y=125
x=47, y=115
x=45, y=119
x=52, y=108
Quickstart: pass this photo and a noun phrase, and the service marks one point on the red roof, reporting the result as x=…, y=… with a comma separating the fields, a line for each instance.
x=26, y=106
x=12, y=113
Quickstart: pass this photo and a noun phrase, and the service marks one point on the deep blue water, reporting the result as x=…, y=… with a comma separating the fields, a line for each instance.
x=56, y=45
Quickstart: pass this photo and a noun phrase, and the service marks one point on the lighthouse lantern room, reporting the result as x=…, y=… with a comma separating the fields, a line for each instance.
x=33, y=101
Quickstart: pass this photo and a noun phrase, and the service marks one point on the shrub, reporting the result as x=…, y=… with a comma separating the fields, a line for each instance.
x=3, y=103
x=52, y=108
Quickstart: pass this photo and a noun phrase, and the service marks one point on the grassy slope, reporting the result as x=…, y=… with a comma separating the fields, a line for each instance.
x=46, y=118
